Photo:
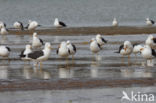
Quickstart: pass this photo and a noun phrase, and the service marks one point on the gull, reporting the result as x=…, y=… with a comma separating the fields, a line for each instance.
x=36, y=42
x=4, y=51
x=114, y=23
x=2, y=24
x=95, y=47
x=149, y=22
x=63, y=50
x=18, y=25
x=72, y=48
x=148, y=53
x=151, y=41
x=32, y=25
x=58, y=23
x=136, y=48
x=125, y=49
x=100, y=40
x=25, y=52
x=4, y=31
x=41, y=55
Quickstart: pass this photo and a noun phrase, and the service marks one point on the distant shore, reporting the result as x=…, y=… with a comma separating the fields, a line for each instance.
x=105, y=30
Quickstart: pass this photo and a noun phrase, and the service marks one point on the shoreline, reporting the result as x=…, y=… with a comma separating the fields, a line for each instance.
x=105, y=30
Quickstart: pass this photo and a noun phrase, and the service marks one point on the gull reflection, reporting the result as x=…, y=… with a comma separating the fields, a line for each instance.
x=66, y=72
x=136, y=73
x=4, y=71
x=94, y=69
x=27, y=71
x=30, y=72
x=41, y=73
x=20, y=39
x=56, y=39
x=98, y=58
x=149, y=63
x=126, y=72
x=142, y=73
x=4, y=39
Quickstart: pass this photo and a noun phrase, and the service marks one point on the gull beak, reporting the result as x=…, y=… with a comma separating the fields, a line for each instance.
x=125, y=49
x=141, y=49
x=91, y=41
x=50, y=47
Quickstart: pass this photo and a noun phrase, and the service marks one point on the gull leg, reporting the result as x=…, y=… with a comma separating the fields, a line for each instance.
x=93, y=58
x=8, y=60
x=122, y=59
x=40, y=64
x=67, y=62
x=72, y=57
x=72, y=60
x=36, y=65
x=25, y=62
x=146, y=62
x=136, y=57
x=96, y=57
x=151, y=63
x=128, y=59
x=28, y=61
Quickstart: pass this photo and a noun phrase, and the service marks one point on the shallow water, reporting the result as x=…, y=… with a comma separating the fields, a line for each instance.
x=85, y=65
x=78, y=12
x=108, y=65
x=98, y=95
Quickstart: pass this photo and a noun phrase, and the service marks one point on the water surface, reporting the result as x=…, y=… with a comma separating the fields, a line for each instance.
x=78, y=12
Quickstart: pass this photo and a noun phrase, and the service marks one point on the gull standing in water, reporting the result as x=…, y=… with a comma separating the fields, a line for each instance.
x=25, y=52
x=18, y=25
x=4, y=51
x=136, y=49
x=58, y=23
x=126, y=49
x=95, y=47
x=151, y=41
x=72, y=48
x=4, y=31
x=63, y=50
x=36, y=42
x=100, y=40
x=148, y=53
x=41, y=55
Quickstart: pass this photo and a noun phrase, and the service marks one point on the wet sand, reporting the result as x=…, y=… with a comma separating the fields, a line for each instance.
x=13, y=85
x=107, y=30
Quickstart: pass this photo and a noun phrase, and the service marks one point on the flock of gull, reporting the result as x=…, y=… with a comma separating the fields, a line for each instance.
x=66, y=48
